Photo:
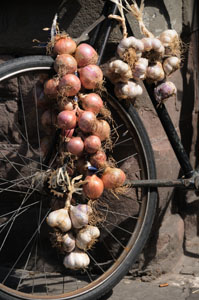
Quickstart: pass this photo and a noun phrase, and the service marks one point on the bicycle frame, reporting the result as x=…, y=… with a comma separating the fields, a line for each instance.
x=191, y=176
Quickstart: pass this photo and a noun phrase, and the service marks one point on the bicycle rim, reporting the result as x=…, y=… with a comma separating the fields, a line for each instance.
x=29, y=266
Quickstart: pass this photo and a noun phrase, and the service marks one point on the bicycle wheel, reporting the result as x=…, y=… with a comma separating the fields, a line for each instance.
x=30, y=268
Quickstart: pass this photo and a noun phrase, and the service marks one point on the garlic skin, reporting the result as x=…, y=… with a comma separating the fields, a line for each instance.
x=155, y=72
x=60, y=219
x=153, y=44
x=130, y=42
x=68, y=242
x=168, y=36
x=171, y=64
x=128, y=90
x=164, y=91
x=87, y=236
x=80, y=215
x=119, y=71
x=140, y=67
x=76, y=259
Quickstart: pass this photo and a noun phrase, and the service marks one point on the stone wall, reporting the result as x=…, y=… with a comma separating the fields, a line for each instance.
x=175, y=222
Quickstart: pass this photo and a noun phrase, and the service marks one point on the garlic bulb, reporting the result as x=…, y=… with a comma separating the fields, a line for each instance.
x=155, y=72
x=171, y=64
x=76, y=259
x=59, y=218
x=130, y=42
x=153, y=44
x=119, y=71
x=68, y=242
x=168, y=36
x=80, y=215
x=127, y=90
x=164, y=91
x=87, y=236
x=140, y=67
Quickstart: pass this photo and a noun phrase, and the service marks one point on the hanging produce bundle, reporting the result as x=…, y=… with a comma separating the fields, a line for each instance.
x=150, y=58
x=75, y=108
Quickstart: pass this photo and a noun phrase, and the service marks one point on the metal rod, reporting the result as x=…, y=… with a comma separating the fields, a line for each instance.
x=171, y=133
x=160, y=183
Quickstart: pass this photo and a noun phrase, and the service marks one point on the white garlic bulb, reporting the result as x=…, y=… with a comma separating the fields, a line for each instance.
x=171, y=64
x=140, y=67
x=60, y=219
x=130, y=42
x=87, y=236
x=128, y=90
x=76, y=259
x=68, y=242
x=80, y=215
x=119, y=71
x=168, y=36
x=153, y=44
x=165, y=90
x=155, y=72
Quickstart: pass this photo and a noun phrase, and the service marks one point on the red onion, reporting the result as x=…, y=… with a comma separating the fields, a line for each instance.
x=65, y=64
x=86, y=55
x=102, y=129
x=66, y=119
x=113, y=178
x=50, y=87
x=81, y=166
x=66, y=106
x=92, y=102
x=98, y=159
x=91, y=76
x=75, y=146
x=64, y=45
x=92, y=143
x=94, y=187
x=68, y=133
x=69, y=85
x=86, y=121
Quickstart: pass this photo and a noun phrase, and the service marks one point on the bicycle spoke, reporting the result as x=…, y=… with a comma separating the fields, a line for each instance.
x=27, y=206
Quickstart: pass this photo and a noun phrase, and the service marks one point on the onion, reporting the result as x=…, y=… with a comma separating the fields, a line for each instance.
x=85, y=55
x=50, y=87
x=65, y=64
x=75, y=146
x=113, y=178
x=91, y=76
x=66, y=119
x=65, y=106
x=68, y=133
x=82, y=166
x=92, y=102
x=98, y=159
x=92, y=143
x=86, y=121
x=94, y=187
x=64, y=45
x=69, y=85
x=102, y=129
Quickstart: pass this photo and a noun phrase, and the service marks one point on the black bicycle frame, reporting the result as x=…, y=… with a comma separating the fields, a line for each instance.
x=182, y=157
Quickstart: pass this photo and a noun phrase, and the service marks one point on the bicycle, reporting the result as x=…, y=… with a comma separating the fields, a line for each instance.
x=34, y=270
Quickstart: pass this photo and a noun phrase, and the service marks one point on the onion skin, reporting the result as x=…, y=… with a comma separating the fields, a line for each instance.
x=85, y=55
x=66, y=119
x=113, y=178
x=69, y=85
x=93, y=189
x=50, y=88
x=86, y=121
x=98, y=159
x=91, y=76
x=66, y=106
x=75, y=146
x=92, y=102
x=64, y=45
x=102, y=130
x=92, y=144
x=67, y=133
x=65, y=64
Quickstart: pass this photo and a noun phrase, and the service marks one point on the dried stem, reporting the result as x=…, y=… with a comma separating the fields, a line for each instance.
x=121, y=18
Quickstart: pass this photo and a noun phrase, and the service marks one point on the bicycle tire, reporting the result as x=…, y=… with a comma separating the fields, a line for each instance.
x=147, y=207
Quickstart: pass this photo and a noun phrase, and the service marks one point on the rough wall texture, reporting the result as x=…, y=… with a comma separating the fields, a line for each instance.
x=177, y=216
